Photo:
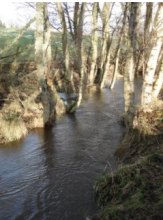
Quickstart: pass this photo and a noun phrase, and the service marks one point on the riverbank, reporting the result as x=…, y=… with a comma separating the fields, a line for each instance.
x=135, y=190
x=22, y=105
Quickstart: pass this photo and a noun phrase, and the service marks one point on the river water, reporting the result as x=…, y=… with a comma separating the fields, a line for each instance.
x=49, y=175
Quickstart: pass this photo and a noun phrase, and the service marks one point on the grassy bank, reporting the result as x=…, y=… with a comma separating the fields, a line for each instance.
x=135, y=190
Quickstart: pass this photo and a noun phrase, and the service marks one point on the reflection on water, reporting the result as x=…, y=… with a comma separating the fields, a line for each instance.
x=50, y=174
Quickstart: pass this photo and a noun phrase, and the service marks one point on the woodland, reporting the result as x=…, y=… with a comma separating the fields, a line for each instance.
x=74, y=48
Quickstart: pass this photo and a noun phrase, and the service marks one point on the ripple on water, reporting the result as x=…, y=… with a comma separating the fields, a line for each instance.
x=50, y=174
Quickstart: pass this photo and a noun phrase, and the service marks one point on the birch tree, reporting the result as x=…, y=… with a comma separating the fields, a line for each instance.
x=157, y=31
x=148, y=20
x=64, y=41
x=93, y=68
x=48, y=92
x=81, y=55
x=159, y=80
x=130, y=65
x=117, y=50
x=39, y=36
x=147, y=33
x=79, y=20
x=105, y=55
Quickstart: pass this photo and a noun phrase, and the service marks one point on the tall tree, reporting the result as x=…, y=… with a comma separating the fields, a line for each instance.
x=131, y=61
x=48, y=92
x=159, y=79
x=39, y=40
x=105, y=51
x=157, y=31
x=80, y=48
x=64, y=41
x=147, y=33
x=76, y=20
x=78, y=25
x=93, y=68
x=118, y=47
x=148, y=20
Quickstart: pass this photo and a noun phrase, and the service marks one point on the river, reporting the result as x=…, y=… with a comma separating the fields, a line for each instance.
x=49, y=175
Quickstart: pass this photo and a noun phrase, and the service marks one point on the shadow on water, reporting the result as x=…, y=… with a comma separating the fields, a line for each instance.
x=50, y=174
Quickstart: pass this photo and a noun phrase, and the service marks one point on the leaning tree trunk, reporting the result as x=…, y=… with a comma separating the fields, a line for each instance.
x=22, y=31
x=157, y=31
x=64, y=41
x=93, y=68
x=159, y=78
x=117, y=51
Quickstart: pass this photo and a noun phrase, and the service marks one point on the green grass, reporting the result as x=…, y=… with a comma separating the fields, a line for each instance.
x=133, y=192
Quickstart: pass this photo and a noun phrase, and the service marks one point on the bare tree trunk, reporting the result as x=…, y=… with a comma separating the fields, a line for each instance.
x=64, y=41
x=106, y=65
x=39, y=41
x=148, y=20
x=76, y=20
x=117, y=51
x=138, y=52
x=147, y=26
x=81, y=55
x=153, y=58
x=130, y=68
x=80, y=51
x=47, y=37
x=158, y=83
x=105, y=15
x=48, y=93
x=93, y=68
x=159, y=77
x=69, y=20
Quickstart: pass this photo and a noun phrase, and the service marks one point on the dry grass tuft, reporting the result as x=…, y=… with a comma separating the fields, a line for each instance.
x=12, y=127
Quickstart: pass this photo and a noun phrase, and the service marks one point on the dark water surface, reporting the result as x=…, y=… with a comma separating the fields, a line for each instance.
x=49, y=175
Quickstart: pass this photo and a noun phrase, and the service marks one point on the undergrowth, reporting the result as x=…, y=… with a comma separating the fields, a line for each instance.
x=133, y=192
